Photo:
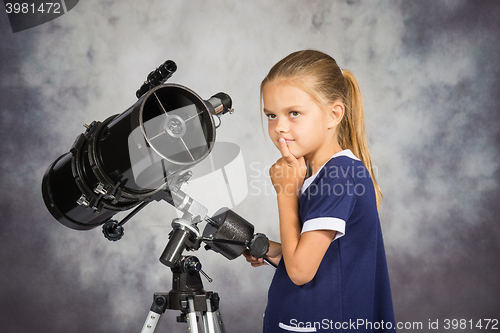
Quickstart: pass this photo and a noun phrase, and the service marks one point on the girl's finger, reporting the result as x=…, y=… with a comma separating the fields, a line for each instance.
x=285, y=152
x=302, y=162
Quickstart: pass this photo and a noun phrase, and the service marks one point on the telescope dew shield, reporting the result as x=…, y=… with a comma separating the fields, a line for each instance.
x=126, y=159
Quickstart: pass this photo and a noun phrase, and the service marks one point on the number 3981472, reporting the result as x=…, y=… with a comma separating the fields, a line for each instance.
x=25, y=8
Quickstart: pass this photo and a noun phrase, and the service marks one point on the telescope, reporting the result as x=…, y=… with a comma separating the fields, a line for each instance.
x=144, y=154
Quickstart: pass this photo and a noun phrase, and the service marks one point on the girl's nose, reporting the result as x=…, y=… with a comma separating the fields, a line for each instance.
x=281, y=126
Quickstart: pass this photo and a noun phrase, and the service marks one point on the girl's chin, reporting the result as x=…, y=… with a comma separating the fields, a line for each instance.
x=297, y=155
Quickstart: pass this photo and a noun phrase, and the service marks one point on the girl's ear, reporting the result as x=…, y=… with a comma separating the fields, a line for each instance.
x=336, y=113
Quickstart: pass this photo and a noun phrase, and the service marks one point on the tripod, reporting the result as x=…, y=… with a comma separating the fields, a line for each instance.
x=188, y=296
x=227, y=233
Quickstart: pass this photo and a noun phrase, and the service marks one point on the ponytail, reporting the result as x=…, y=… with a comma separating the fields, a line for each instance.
x=351, y=133
x=329, y=84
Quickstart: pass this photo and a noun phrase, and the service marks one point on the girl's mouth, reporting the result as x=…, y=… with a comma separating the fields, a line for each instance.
x=288, y=140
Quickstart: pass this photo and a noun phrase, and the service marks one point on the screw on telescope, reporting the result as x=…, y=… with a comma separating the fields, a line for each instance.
x=159, y=305
x=160, y=300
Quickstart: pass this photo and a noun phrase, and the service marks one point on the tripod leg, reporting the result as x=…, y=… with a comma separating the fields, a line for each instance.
x=151, y=322
x=154, y=315
x=219, y=324
x=208, y=319
x=192, y=320
x=212, y=320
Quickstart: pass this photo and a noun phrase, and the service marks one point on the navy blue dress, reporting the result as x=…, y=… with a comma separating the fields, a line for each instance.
x=351, y=290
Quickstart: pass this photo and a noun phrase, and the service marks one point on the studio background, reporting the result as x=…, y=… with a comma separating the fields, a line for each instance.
x=429, y=74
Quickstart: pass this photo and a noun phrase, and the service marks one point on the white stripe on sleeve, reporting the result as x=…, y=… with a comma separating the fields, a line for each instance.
x=325, y=223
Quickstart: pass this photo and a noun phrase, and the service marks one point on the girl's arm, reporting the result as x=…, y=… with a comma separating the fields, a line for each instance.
x=302, y=253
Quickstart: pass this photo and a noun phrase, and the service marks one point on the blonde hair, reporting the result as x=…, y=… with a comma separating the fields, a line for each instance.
x=319, y=75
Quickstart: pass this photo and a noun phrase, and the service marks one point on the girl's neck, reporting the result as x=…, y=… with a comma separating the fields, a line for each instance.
x=317, y=159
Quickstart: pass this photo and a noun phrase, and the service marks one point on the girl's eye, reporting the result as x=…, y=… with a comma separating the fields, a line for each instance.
x=271, y=116
x=294, y=114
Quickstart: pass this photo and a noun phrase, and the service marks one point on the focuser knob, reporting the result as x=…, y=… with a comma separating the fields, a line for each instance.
x=259, y=245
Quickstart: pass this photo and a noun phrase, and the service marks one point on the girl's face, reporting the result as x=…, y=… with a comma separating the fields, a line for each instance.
x=292, y=114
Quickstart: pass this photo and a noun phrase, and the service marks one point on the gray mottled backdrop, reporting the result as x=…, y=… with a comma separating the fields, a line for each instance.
x=430, y=78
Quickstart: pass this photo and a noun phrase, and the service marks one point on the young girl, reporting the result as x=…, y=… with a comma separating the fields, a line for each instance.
x=332, y=272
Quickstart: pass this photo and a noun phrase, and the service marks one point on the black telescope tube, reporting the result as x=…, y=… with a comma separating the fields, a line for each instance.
x=114, y=165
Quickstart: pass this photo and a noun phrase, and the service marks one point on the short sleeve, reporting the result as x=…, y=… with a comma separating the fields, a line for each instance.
x=328, y=202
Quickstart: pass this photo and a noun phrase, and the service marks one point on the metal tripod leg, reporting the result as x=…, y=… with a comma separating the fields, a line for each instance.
x=151, y=322
x=154, y=315
x=199, y=308
x=192, y=317
x=213, y=321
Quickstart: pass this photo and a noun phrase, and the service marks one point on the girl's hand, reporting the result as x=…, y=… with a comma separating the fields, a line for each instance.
x=255, y=262
x=288, y=173
x=273, y=255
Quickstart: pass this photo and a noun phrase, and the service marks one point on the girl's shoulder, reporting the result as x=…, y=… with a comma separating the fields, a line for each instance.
x=345, y=165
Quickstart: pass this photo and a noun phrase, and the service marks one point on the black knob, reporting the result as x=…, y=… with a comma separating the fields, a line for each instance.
x=259, y=245
x=192, y=265
x=112, y=230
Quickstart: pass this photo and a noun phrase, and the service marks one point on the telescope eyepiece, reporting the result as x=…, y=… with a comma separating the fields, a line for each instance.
x=157, y=77
x=162, y=73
